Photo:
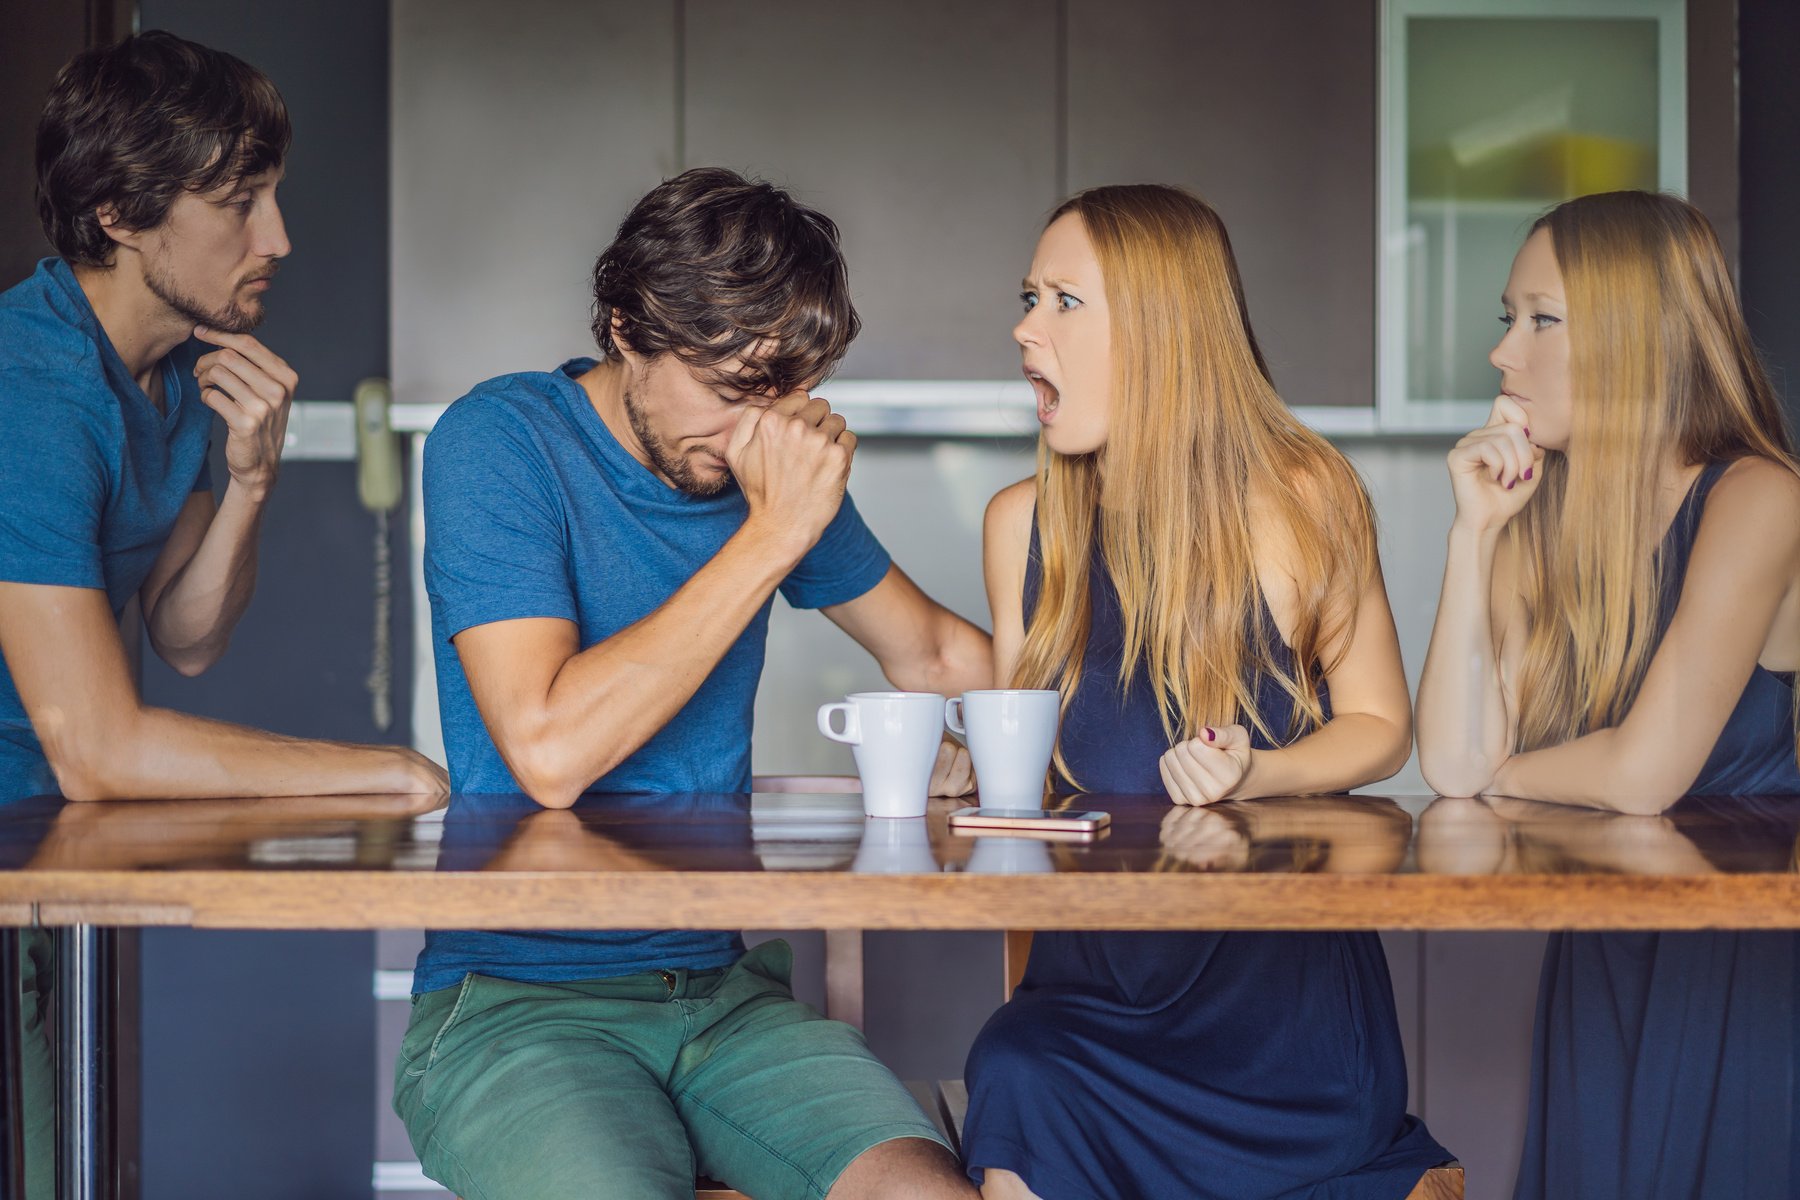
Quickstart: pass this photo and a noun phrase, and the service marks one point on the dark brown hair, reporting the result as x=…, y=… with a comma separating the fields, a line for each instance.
x=133, y=125
x=711, y=266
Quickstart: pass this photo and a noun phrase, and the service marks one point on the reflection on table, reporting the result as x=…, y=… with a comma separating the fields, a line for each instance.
x=814, y=861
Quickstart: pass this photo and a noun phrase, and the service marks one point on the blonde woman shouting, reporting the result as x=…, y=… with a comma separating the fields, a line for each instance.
x=1619, y=626
x=1196, y=573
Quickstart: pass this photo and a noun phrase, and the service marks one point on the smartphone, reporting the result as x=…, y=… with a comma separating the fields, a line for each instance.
x=1030, y=820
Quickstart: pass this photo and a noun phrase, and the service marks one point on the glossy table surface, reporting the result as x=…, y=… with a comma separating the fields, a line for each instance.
x=799, y=861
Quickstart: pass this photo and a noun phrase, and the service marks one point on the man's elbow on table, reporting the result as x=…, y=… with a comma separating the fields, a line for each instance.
x=90, y=761
x=545, y=773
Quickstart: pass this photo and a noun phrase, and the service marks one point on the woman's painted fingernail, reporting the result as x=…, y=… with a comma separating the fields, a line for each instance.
x=1528, y=472
x=1528, y=431
x=1209, y=733
x=1512, y=485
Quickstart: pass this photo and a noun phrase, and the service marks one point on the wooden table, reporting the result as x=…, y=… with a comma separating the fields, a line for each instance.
x=812, y=861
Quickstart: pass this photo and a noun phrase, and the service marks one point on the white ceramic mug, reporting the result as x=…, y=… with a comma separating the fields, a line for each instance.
x=894, y=737
x=1011, y=734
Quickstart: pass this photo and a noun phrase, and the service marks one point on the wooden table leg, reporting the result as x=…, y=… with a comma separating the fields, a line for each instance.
x=844, y=975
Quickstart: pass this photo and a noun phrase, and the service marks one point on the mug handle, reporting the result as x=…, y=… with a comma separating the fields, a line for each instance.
x=953, y=716
x=852, y=734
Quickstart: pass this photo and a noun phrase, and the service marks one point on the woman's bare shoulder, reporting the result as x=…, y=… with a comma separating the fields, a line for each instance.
x=1757, y=486
x=1009, y=514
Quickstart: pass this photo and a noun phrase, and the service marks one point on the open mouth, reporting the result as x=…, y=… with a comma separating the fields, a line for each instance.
x=1048, y=398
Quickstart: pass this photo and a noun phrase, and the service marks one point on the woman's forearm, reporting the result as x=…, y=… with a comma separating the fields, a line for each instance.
x=1461, y=713
x=1351, y=750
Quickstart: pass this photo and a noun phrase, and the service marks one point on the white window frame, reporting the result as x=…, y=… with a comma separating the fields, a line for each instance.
x=1394, y=411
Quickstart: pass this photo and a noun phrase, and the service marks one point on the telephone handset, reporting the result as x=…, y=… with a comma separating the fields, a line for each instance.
x=379, y=482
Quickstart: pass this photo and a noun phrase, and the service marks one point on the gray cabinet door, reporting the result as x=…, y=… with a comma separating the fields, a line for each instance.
x=1268, y=112
x=928, y=131
x=522, y=133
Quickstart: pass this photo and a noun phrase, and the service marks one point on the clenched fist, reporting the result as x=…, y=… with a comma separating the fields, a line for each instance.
x=1207, y=768
x=792, y=461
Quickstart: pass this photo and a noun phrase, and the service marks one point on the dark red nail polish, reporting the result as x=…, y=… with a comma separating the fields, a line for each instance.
x=1512, y=485
x=1528, y=472
x=1528, y=431
x=1209, y=733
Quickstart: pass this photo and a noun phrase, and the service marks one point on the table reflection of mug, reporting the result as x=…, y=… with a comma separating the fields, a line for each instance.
x=1009, y=856
x=1011, y=734
x=895, y=846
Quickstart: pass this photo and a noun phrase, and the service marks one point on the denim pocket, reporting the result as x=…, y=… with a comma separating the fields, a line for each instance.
x=409, y=1045
x=772, y=960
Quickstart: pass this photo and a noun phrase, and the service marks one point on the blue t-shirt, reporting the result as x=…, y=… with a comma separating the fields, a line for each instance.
x=92, y=476
x=534, y=509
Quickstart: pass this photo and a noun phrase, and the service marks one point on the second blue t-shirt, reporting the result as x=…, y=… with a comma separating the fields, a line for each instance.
x=534, y=509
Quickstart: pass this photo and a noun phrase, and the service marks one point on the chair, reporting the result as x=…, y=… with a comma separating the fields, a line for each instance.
x=1443, y=1182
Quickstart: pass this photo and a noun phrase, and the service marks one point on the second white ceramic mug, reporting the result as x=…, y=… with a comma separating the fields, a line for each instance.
x=894, y=737
x=1011, y=734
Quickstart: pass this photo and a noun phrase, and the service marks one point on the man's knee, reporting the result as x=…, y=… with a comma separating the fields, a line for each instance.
x=1001, y=1184
x=912, y=1168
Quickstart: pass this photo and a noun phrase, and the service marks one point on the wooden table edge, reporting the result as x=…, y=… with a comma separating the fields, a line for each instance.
x=349, y=899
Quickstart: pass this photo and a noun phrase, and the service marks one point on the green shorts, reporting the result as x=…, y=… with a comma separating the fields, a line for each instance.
x=37, y=1061
x=632, y=1086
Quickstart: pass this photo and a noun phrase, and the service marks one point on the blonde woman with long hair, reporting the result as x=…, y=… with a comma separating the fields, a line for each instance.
x=1619, y=626
x=1196, y=573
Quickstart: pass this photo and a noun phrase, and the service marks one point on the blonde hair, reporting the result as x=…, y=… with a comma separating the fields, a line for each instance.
x=1196, y=426
x=1658, y=356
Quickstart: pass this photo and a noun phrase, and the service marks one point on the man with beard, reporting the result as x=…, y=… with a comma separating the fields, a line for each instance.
x=157, y=163
x=603, y=543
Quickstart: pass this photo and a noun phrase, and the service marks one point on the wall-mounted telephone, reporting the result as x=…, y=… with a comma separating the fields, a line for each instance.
x=379, y=483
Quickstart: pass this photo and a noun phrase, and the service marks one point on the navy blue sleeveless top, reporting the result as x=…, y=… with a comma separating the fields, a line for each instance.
x=1112, y=739
x=1667, y=1065
x=1755, y=751
x=1201, y=1064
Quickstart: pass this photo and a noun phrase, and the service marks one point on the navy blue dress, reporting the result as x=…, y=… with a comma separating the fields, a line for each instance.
x=1664, y=1065
x=1229, y=1065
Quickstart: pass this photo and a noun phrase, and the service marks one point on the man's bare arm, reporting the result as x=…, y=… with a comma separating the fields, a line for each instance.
x=561, y=716
x=203, y=579
x=921, y=645
x=68, y=663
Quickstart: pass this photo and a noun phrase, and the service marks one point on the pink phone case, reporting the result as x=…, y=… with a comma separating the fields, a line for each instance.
x=1086, y=823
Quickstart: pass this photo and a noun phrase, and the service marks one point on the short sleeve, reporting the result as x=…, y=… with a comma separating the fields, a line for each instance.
x=53, y=486
x=495, y=544
x=847, y=561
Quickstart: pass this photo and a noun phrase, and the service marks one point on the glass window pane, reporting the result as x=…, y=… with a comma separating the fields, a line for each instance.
x=1504, y=118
